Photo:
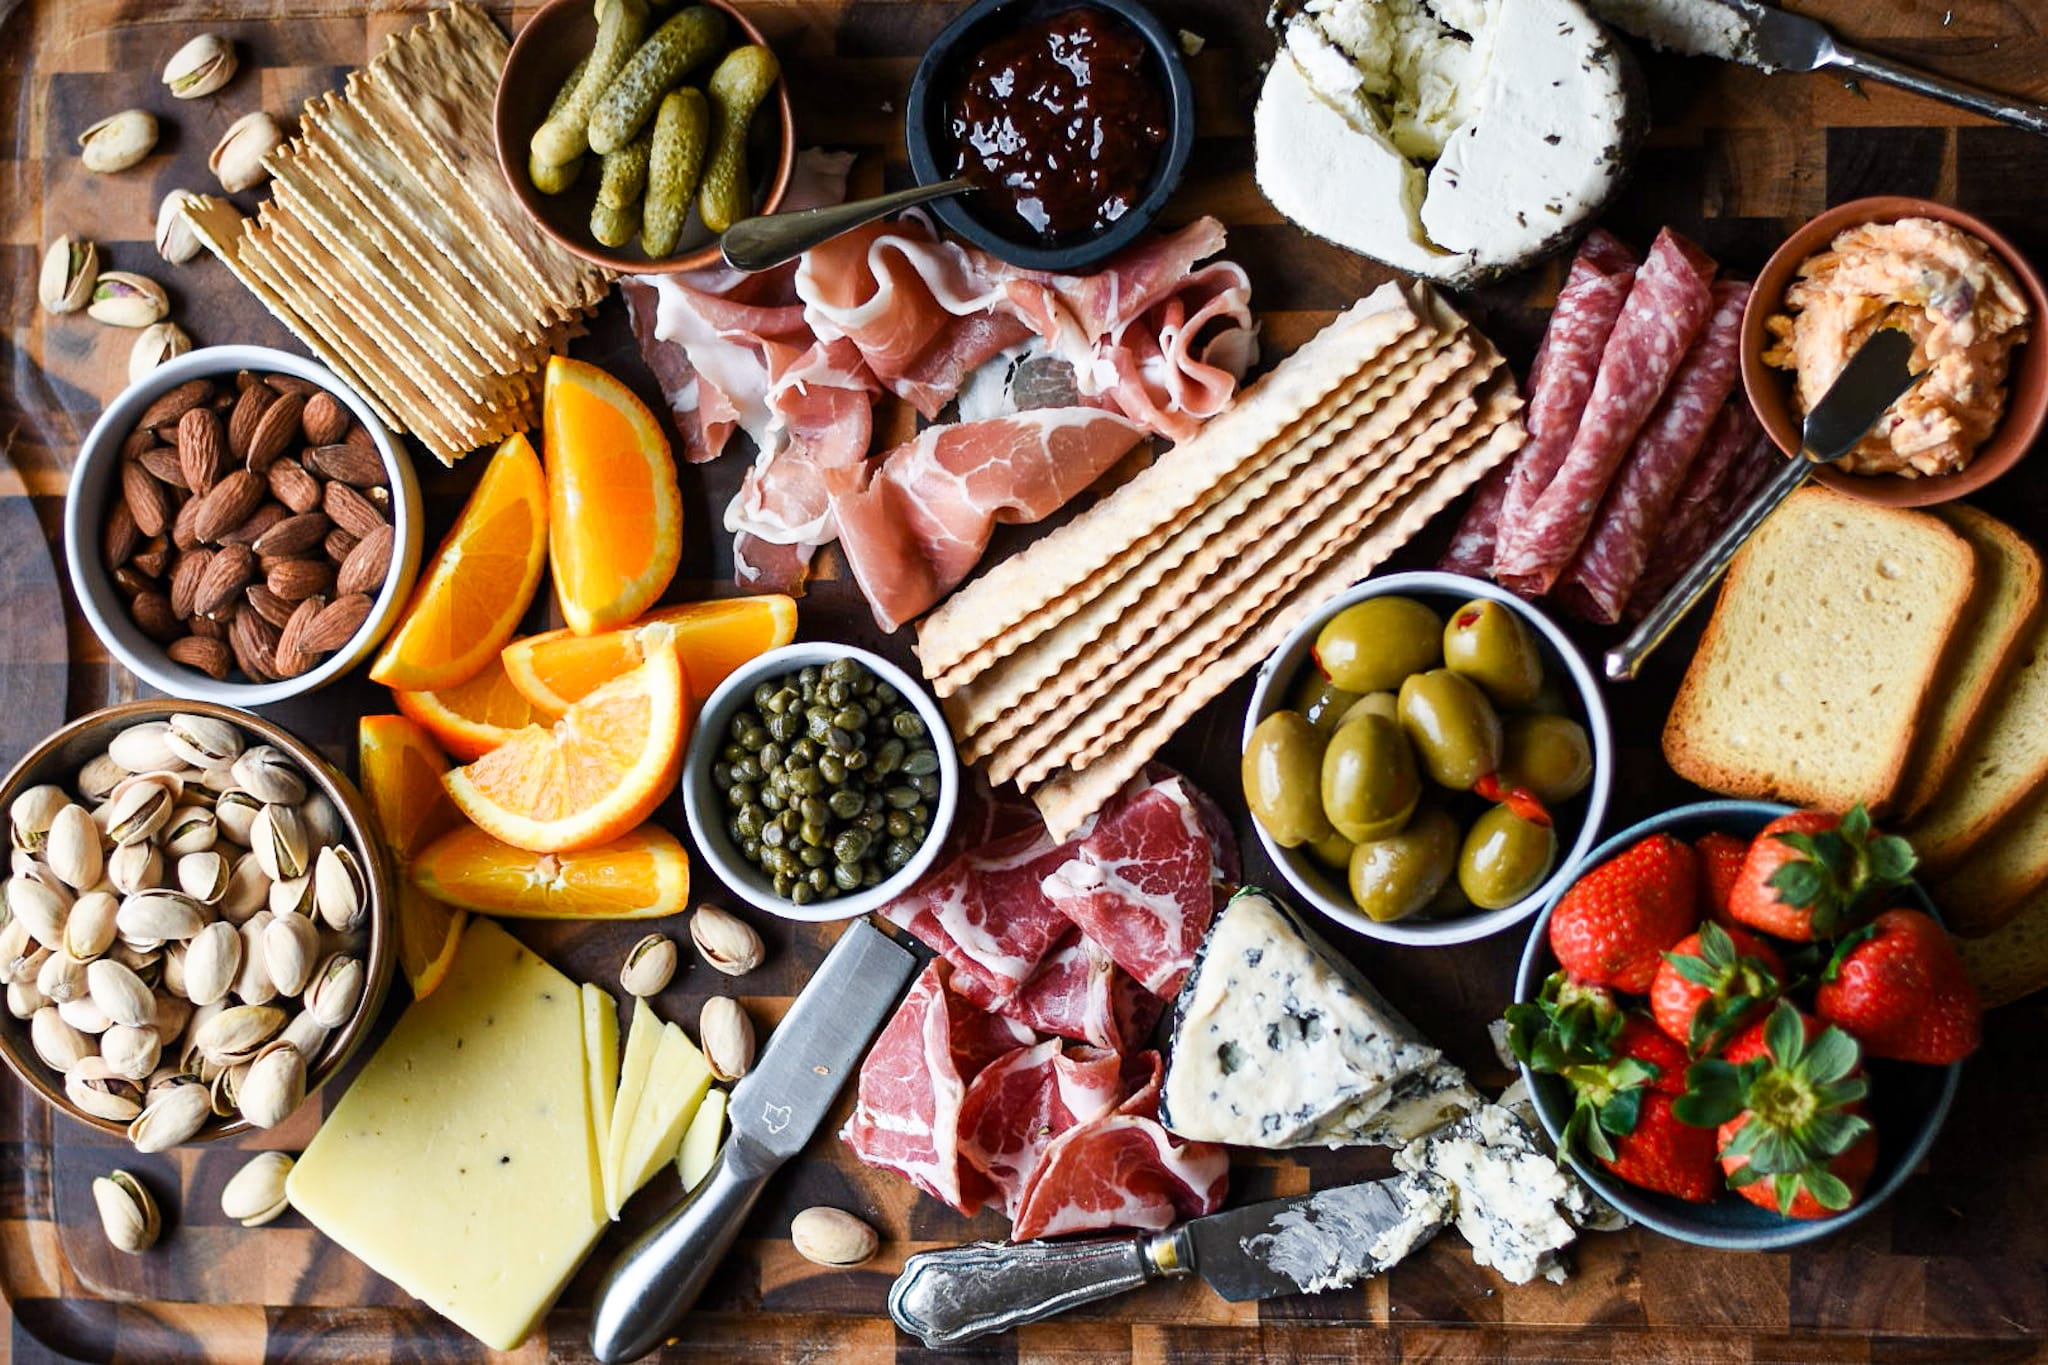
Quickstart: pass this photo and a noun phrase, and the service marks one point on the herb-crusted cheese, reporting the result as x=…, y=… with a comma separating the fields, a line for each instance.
x=1510, y=1196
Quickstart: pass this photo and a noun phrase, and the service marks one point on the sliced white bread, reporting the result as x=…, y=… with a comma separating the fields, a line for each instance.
x=1810, y=682
x=2012, y=960
x=2002, y=873
x=2007, y=597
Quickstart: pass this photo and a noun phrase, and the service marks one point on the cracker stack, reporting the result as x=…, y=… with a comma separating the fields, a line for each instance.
x=1066, y=667
x=393, y=247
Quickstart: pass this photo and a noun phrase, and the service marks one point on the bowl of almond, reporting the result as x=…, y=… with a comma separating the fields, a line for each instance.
x=241, y=528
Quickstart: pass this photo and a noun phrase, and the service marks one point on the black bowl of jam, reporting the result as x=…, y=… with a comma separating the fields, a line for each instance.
x=1074, y=118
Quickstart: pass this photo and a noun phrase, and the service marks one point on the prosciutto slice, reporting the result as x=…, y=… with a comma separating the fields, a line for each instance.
x=1079, y=992
x=984, y=913
x=1023, y=1100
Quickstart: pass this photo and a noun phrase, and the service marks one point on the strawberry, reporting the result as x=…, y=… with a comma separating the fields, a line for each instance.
x=1786, y=1099
x=1613, y=924
x=1720, y=858
x=1898, y=987
x=1621, y=1114
x=1714, y=983
x=1565, y=1025
x=1664, y=1154
x=1810, y=875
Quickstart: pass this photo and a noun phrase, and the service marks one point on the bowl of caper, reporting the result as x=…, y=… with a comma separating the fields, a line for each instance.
x=820, y=782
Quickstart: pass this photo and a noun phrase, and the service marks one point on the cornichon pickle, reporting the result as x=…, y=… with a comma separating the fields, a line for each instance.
x=736, y=87
x=555, y=177
x=564, y=136
x=614, y=225
x=674, y=159
x=623, y=109
x=623, y=177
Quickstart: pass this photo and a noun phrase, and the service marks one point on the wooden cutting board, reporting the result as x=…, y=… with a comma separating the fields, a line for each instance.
x=1955, y=1268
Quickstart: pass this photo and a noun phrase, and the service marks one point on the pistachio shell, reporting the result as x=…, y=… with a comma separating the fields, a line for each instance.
x=59, y=1045
x=33, y=812
x=118, y=141
x=253, y=985
x=248, y=890
x=69, y=268
x=143, y=748
x=234, y=811
x=39, y=908
x=726, y=1035
x=237, y=159
x=306, y=1033
x=335, y=990
x=274, y=1087
x=340, y=891
x=238, y=1033
x=62, y=979
x=93, y=1087
x=173, y=1012
x=200, y=67
x=17, y=948
x=25, y=1000
x=278, y=839
x=292, y=897
x=291, y=947
x=128, y=1213
x=226, y=1089
x=131, y=1051
x=172, y=1118
x=191, y=829
x=204, y=876
x=159, y=915
x=121, y=993
x=85, y=1016
x=255, y=1194
x=322, y=821
x=726, y=941
x=213, y=962
x=98, y=778
x=155, y=344
x=135, y=867
x=140, y=811
x=176, y=242
x=72, y=848
x=121, y=298
x=89, y=929
x=828, y=1236
x=268, y=774
x=649, y=966
x=202, y=741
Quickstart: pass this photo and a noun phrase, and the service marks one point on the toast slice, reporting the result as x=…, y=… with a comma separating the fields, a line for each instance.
x=2008, y=596
x=2003, y=872
x=2012, y=960
x=1809, y=684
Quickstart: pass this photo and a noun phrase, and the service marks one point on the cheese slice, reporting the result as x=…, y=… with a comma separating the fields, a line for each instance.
x=676, y=1082
x=601, y=1068
x=643, y=1036
x=701, y=1140
x=459, y=1165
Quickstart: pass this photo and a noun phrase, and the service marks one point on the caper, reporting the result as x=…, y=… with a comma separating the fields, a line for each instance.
x=809, y=674
x=896, y=853
x=846, y=878
x=803, y=751
x=838, y=694
x=856, y=760
x=747, y=769
x=763, y=692
x=832, y=768
x=921, y=763
x=908, y=725
x=842, y=670
x=812, y=857
x=886, y=693
x=732, y=753
x=784, y=726
x=741, y=794
x=747, y=824
x=750, y=849
x=851, y=845
x=772, y=799
x=844, y=803
x=813, y=809
x=809, y=781
x=812, y=834
x=889, y=757
x=782, y=884
x=772, y=834
x=800, y=893
x=870, y=873
x=920, y=815
x=927, y=786
x=721, y=774
x=771, y=756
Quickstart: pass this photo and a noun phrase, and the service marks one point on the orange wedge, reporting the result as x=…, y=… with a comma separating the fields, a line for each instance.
x=641, y=876
x=599, y=771
x=555, y=669
x=401, y=778
x=470, y=719
x=480, y=583
x=615, y=516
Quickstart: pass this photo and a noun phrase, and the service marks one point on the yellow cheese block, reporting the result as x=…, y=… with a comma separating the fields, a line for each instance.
x=700, y=1140
x=459, y=1165
x=643, y=1036
x=601, y=1068
x=676, y=1083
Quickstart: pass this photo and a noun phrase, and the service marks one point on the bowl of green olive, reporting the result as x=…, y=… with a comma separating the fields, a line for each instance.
x=820, y=782
x=1426, y=757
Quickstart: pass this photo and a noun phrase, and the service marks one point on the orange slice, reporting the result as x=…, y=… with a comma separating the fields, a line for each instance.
x=481, y=581
x=641, y=876
x=400, y=772
x=555, y=669
x=615, y=515
x=470, y=719
x=601, y=769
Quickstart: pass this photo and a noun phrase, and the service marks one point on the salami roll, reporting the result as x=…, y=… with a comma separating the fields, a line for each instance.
x=1472, y=544
x=1666, y=308
x=1597, y=586
x=1714, y=487
x=1561, y=379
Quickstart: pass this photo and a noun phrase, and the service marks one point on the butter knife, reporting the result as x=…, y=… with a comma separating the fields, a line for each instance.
x=1875, y=377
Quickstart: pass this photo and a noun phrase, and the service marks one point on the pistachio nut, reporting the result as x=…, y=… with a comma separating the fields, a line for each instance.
x=202, y=741
x=93, y=1087
x=173, y=1012
x=69, y=268
x=84, y=1015
x=89, y=928
x=200, y=67
x=162, y=1079
x=829, y=1236
x=255, y=1194
x=335, y=991
x=265, y=772
x=225, y=1087
x=71, y=848
x=25, y=1000
x=173, y=1117
x=59, y=1045
x=291, y=949
x=322, y=821
x=204, y=876
x=118, y=141
x=274, y=1086
x=248, y=890
x=121, y=298
x=16, y=945
x=234, y=811
x=293, y=896
x=62, y=979
x=192, y=828
x=21, y=863
x=213, y=962
x=218, y=780
x=176, y=242
x=237, y=1033
x=649, y=966
x=726, y=941
x=727, y=1037
x=124, y=996
x=160, y=916
x=139, y=812
x=40, y=908
x=144, y=748
x=305, y=1033
x=131, y=1051
x=253, y=985
x=237, y=159
x=278, y=839
x=135, y=867
x=32, y=814
x=171, y=779
x=154, y=344
x=340, y=891
x=98, y=778
x=128, y=1212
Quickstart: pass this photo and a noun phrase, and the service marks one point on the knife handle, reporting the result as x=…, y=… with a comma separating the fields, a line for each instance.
x=944, y=1297
x=2019, y=113
x=656, y=1279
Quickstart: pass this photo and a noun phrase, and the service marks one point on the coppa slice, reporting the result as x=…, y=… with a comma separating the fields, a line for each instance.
x=558, y=668
x=643, y=875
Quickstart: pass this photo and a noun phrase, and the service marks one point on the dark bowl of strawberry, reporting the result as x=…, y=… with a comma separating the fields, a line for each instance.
x=1732, y=1027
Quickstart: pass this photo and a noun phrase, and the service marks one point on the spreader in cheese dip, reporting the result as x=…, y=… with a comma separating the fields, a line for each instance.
x=1944, y=288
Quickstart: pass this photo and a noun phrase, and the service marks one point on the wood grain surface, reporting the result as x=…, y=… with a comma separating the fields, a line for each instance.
x=1956, y=1268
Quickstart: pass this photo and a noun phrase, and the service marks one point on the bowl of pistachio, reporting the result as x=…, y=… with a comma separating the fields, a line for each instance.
x=198, y=931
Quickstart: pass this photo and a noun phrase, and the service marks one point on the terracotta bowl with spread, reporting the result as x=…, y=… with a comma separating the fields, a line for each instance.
x=1770, y=389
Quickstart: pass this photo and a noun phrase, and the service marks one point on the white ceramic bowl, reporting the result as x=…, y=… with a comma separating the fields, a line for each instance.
x=704, y=804
x=95, y=475
x=1324, y=889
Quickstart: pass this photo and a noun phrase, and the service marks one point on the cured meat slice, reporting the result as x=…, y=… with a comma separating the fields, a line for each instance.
x=1561, y=379
x=1667, y=305
x=913, y=524
x=1718, y=482
x=1472, y=545
x=1079, y=992
x=1021, y=1101
x=1597, y=586
x=984, y=912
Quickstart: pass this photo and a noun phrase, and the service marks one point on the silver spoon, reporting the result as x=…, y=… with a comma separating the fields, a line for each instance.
x=767, y=241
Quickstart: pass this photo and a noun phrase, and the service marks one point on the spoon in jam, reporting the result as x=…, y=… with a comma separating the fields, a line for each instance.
x=761, y=243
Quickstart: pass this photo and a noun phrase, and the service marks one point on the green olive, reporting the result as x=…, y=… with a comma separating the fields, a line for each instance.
x=1449, y=902
x=1369, y=783
x=1333, y=852
x=1321, y=700
x=1281, y=770
x=1454, y=729
x=1505, y=858
x=1548, y=756
x=1394, y=877
x=1488, y=643
x=1372, y=704
x=1371, y=645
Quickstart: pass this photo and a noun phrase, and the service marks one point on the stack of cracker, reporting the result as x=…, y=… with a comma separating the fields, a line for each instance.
x=1067, y=667
x=393, y=247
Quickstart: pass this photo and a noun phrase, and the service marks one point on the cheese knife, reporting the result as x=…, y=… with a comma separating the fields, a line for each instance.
x=1778, y=40
x=1298, y=1245
x=773, y=1111
x=1875, y=377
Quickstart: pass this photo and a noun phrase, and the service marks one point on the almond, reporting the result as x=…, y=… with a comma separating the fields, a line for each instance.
x=207, y=627
x=200, y=453
x=210, y=657
x=186, y=571
x=336, y=623
x=291, y=657
x=253, y=641
x=246, y=380
x=353, y=465
x=291, y=485
x=139, y=440
x=292, y=385
x=152, y=556
x=260, y=520
x=367, y=564
x=227, y=506
x=351, y=511
x=120, y=537
x=269, y=605
x=359, y=435
x=149, y=502
x=338, y=544
x=132, y=580
x=324, y=421
x=152, y=612
x=162, y=464
x=295, y=580
x=175, y=404
x=275, y=431
x=183, y=532
x=225, y=576
x=294, y=535
x=248, y=411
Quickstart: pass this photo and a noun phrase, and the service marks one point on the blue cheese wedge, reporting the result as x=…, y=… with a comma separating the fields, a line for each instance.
x=1278, y=1042
x=1509, y=1196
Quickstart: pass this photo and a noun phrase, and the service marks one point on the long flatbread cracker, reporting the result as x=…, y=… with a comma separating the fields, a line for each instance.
x=1052, y=567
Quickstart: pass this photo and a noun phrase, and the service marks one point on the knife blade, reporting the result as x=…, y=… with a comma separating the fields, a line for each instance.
x=1777, y=39
x=1298, y=1245
x=774, y=1111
